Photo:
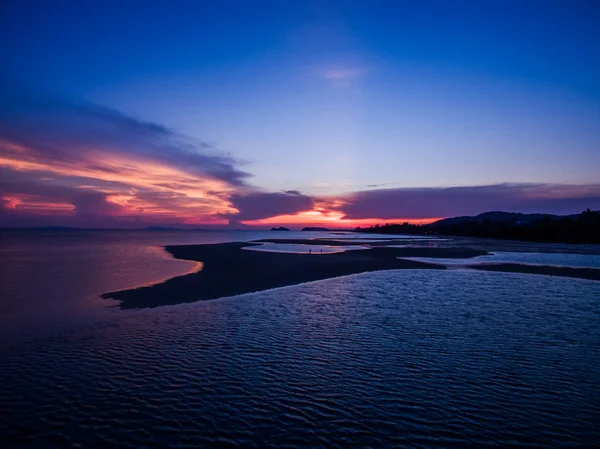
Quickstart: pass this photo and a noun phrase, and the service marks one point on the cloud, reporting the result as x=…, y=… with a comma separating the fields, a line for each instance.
x=380, y=185
x=259, y=205
x=55, y=132
x=457, y=201
x=24, y=198
x=58, y=157
x=93, y=204
x=343, y=76
x=84, y=165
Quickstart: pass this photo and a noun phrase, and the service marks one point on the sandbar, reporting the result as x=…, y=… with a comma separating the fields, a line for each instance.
x=228, y=270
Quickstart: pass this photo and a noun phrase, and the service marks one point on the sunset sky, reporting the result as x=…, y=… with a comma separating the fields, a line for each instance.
x=233, y=114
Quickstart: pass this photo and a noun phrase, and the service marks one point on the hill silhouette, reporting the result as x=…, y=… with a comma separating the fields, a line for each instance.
x=579, y=228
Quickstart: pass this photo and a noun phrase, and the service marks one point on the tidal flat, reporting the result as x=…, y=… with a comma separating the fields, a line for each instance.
x=229, y=270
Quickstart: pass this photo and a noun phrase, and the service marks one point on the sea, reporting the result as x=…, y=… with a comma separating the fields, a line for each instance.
x=403, y=358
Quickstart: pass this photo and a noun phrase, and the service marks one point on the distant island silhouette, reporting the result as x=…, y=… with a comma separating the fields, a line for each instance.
x=280, y=228
x=579, y=228
x=163, y=229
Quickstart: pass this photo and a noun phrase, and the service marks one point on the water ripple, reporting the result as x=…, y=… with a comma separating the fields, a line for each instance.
x=409, y=358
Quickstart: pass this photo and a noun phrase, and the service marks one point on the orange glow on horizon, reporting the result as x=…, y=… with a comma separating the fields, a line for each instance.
x=137, y=187
x=332, y=219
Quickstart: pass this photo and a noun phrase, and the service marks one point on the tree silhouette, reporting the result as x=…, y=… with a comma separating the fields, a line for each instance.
x=583, y=228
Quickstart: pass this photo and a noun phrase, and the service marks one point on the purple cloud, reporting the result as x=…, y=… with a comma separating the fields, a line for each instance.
x=457, y=201
x=82, y=160
x=258, y=205
x=94, y=204
x=58, y=132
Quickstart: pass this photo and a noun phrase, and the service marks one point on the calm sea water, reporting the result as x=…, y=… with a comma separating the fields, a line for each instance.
x=407, y=358
x=52, y=278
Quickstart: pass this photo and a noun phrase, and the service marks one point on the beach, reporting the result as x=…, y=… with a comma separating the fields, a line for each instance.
x=229, y=269
x=377, y=358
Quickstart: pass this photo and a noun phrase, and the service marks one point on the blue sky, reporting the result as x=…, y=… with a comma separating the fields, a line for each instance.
x=330, y=98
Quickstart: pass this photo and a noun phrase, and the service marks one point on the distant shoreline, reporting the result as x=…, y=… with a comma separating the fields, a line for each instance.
x=229, y=271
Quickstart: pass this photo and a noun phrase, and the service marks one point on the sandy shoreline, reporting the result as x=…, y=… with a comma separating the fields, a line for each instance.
x=228, y=270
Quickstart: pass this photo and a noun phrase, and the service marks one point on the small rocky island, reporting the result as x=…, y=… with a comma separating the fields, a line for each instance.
x=280, y=228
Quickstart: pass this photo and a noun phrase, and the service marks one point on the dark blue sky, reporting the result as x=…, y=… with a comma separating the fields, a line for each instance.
x=76, y=46
x=335, y=97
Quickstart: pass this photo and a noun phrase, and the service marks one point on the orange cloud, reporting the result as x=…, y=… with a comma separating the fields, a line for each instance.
x=37, y=204
x=178, y=195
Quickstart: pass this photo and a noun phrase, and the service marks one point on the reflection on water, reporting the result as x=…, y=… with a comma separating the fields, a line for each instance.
x=529, y=258
x=401, y=358
x=297, y=248
x=65, y=280
x=356, y=240
x=50, y=277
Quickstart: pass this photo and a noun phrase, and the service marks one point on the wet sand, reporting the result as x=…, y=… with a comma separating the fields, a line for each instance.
x=228, y=270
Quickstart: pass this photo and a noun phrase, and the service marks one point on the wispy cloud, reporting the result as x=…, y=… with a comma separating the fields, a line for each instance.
x=343, y=76
x=97, y=161
x=61, y=131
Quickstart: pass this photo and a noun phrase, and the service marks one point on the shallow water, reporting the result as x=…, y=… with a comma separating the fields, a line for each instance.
x=49, y=278
x=297, y=248
x=379, y=237
x=357, y=240
x=392, y=239
x=529, y=258
x=412, y=358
